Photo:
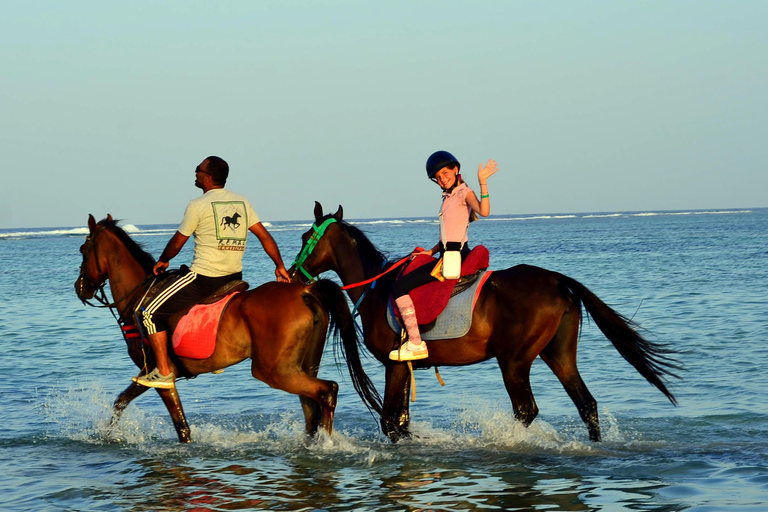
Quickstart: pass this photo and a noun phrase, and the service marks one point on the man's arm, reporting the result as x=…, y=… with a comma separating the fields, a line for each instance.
x=270, y=247
x=172, y=248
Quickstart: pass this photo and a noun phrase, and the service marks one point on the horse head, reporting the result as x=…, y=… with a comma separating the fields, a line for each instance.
x=93, y=272
x=316, y=255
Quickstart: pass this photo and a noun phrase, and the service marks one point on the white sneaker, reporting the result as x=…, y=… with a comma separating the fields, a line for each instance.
x=155, y=379
x=409, y=352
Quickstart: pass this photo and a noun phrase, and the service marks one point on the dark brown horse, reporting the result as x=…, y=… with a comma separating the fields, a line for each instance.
x=522, y=312
x=281, y=327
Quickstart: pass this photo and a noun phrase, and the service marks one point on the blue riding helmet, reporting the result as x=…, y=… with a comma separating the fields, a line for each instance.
x=438, y=160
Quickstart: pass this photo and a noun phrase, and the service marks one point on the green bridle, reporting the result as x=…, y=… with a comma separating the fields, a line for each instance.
x=318, y=232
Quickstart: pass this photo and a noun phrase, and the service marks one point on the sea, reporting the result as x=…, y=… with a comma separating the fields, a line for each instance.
x=694, y=280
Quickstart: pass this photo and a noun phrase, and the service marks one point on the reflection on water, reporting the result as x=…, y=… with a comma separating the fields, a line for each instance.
x=266, y=483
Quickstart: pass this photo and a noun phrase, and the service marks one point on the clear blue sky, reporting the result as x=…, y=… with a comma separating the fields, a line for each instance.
x=107, y=107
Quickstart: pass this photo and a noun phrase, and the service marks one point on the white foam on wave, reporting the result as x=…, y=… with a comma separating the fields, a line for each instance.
x=392, y=221
x=688, y=212
x=533, y=217
x=602, y=215
x=46, y=232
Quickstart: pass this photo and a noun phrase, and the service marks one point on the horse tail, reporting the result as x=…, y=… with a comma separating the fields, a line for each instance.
x=653, y=360
x=332, y=298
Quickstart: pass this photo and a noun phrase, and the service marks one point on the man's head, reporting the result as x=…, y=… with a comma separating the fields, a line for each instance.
x=215, y=168
x=218, y=169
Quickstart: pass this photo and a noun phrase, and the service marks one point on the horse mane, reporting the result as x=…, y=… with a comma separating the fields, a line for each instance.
x=136, y=250
x=373, y=259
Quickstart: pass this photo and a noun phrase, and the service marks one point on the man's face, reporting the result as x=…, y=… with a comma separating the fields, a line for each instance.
x=201, y=174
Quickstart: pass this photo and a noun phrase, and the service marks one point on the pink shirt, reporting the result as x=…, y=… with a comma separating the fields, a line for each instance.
x=454, y=215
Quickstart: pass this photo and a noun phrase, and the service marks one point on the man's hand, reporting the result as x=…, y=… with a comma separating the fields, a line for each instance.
x=282, y=275
x=160, y=267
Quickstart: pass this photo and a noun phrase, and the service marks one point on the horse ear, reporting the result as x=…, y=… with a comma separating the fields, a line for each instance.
x=339, y=214
x=318, y=212
x=91, y=223
x=109, y=218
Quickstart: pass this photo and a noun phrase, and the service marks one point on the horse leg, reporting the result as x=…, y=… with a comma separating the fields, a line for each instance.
x=122, y=401
x=313, y=393
x=173, y=404
x=313, y=411
x=396, y=417
x=318, y=396
x=516, y=376
x=560, y=356
x=312, y=414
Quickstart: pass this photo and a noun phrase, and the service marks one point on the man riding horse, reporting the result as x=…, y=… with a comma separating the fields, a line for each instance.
x=218, y=259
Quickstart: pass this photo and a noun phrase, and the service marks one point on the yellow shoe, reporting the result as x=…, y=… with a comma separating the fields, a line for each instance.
x=409, y=352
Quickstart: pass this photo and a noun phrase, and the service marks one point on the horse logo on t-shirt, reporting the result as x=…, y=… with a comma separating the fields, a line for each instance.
x=231, y=222
x=230, y=231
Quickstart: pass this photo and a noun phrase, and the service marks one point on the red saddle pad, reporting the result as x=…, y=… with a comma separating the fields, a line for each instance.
x=430, y=300
x=195, y=334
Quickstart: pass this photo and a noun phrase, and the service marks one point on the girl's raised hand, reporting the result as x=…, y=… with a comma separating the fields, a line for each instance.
x=484, y=172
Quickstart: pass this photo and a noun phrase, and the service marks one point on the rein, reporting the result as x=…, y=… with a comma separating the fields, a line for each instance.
x=390, y=269
x=309, y=247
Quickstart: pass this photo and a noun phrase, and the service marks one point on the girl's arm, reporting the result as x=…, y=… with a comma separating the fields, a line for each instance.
x=483, y=206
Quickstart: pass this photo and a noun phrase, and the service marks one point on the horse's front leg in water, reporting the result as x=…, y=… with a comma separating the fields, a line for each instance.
x=173, y=404
x=122, y=401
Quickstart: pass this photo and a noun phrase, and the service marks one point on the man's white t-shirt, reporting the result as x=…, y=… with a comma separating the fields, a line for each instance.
x=219, y=221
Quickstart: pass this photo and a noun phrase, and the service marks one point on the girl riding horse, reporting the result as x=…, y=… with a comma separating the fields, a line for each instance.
x=460, y=206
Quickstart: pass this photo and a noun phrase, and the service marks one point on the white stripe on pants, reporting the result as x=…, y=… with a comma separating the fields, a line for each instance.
x=163, y=297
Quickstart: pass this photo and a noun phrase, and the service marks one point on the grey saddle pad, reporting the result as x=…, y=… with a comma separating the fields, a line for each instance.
x=453, y=322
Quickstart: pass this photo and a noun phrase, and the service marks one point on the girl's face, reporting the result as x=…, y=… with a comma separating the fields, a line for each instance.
x=446, y=177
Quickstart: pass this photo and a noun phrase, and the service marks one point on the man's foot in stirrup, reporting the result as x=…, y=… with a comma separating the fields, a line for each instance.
x=409, y=352
x=155, y=379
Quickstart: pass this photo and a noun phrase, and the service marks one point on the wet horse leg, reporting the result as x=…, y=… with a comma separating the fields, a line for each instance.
x=560, y=356
x=122, y=401
x=312, y=391
x=318, y=393
x=313, y=411
x=516, y=376
x=396, y=407
x=172, y=402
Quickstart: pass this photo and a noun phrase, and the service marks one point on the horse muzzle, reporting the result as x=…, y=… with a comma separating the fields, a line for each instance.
x=83, y=291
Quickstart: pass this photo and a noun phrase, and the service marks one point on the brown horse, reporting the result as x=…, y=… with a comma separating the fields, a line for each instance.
x=522, y=312
x=281, y=327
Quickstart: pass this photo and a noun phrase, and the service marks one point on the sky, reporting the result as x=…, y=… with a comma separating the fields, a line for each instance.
x=587, y=106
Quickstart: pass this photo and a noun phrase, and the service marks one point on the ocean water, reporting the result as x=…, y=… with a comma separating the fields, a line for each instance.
x=696, y=280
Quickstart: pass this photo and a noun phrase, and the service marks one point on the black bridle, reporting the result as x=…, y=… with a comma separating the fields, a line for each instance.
x=100, y=294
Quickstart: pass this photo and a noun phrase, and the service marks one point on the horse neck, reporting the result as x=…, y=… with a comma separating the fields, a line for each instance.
x=351, y=266
x=125, y=274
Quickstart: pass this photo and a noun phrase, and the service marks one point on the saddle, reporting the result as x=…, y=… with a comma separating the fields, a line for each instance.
x=194, y=329
x=431, y=299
